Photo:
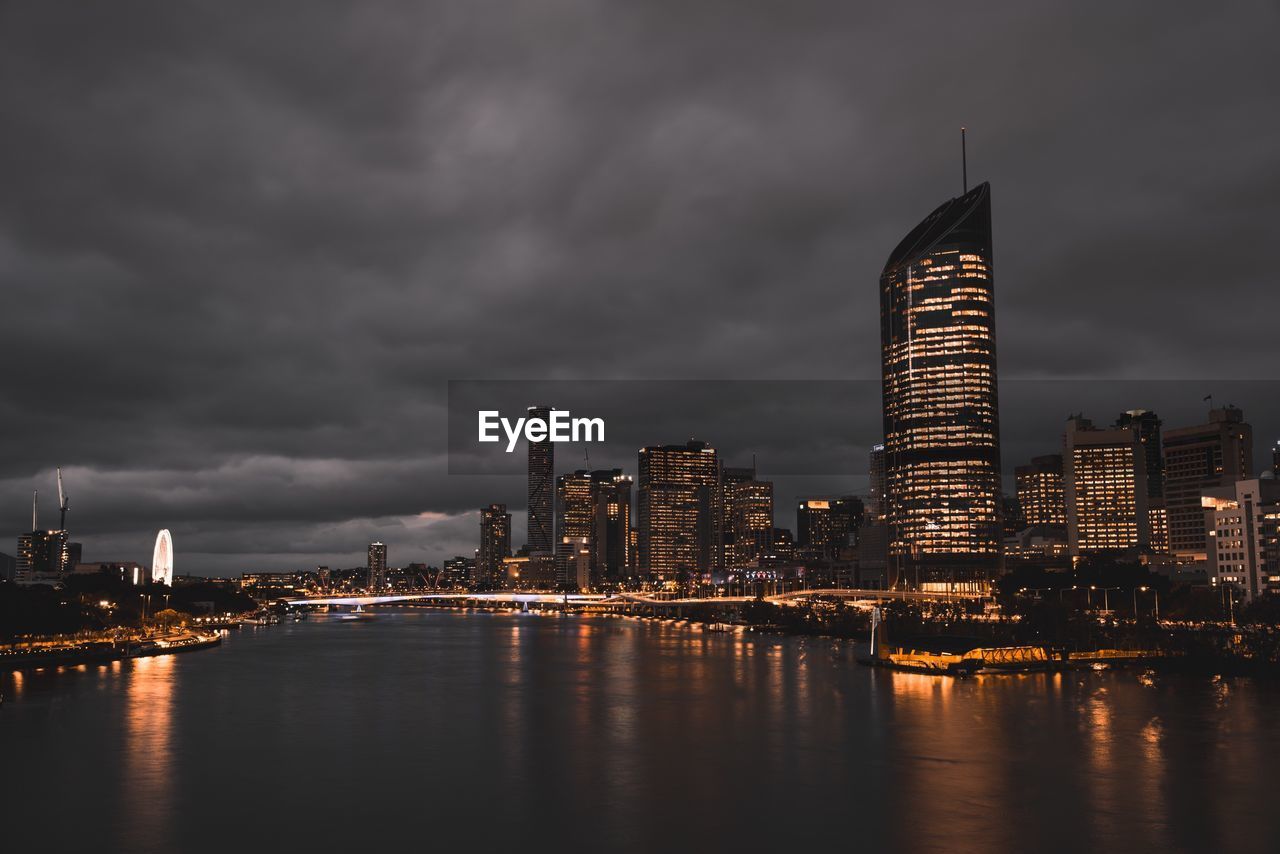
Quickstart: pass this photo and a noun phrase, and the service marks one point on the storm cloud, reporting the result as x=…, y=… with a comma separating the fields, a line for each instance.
x=244, y=248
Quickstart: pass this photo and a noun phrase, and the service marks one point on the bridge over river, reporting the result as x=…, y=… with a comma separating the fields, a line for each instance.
x=634, y=602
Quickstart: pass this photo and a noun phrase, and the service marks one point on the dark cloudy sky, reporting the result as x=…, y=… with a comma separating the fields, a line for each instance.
x=244, y=247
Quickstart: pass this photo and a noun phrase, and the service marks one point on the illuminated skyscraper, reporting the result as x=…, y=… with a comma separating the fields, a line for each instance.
x=1039, y=487
x=575, y=520
x=1147, y=423
x=941, y=422
x=1105, y=488
x=678, y=509
x=542, y=473
x=377, y=565
x=747, y=508
x=495, y=542
x=1206, y=456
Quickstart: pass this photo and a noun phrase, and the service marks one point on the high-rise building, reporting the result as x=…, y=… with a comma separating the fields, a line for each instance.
x=1275, y=460
x=542, y=472
x=377, y=566
x=1105, y=488
x=1206, y=456
x=593, y=509
x=614, y=552
x=1243, y=522
x=495, y=542
x=875, y=504
x=941, y=422
x=1147, y=425
x=825, y=526
x=8, y=567
x=747, y=508
x=1039, y=486
x=575, y=523
x=41, y=556
x=678, y=510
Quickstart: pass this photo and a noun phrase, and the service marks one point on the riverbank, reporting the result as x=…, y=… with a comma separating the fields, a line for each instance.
x=102, y=651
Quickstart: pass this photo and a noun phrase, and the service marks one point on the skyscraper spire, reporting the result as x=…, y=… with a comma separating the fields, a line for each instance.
x=62, y=503
x=35, y=508
x=964, y=162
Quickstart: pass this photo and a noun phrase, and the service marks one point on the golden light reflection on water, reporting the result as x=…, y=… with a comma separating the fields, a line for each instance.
x=148, y=755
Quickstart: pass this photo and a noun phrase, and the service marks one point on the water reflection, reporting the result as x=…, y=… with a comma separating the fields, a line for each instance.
x=483, y=730
x=147, y=775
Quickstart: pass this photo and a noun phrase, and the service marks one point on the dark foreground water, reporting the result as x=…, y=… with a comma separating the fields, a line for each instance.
x=429, y=730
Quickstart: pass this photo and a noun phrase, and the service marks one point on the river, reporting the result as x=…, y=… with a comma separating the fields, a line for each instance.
x=424, y=729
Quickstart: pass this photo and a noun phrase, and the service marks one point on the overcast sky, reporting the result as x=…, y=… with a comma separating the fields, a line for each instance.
x=244, y=247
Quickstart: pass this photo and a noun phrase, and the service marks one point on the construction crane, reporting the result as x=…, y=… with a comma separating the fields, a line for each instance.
x=62, y=503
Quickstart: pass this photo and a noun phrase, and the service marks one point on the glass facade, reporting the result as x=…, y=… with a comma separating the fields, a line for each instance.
x=678, y=506
x=941, y=422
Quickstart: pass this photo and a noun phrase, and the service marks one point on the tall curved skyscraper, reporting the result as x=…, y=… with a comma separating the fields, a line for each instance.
x=941, y=420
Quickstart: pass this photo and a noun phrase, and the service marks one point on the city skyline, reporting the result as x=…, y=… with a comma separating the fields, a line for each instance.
x=289, y=412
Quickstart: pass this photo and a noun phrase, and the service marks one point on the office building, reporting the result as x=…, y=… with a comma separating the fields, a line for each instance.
x=1039, y=487
x=1147, y=425
x=1158, y=514
x=826, y=526
x=495, y=543
x=1243, y=531
x=542, y=469
x=1105, y=489
x=1206, y=456
x=941, y=422
x=530, y=571
x=459, y=571
x=747, y=507
x=613, y=552
x=575, y=523
x=678, y=511
x=593, y=508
